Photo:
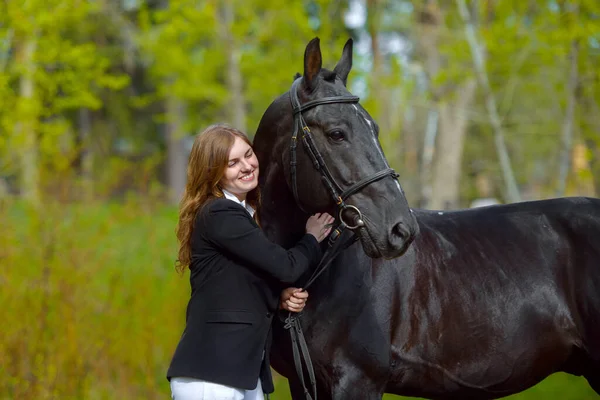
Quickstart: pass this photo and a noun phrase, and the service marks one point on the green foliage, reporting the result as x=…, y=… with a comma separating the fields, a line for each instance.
x=187, y=54
x=66, y=72
x=93, y=301
x=178, y=46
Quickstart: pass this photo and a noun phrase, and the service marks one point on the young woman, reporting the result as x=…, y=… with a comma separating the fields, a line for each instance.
x=236, y=273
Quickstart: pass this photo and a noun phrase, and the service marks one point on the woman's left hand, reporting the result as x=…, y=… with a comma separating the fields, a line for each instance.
x=293, y=299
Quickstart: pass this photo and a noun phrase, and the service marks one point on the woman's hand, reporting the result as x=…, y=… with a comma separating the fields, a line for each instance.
x=319, y=225
x=293, y=299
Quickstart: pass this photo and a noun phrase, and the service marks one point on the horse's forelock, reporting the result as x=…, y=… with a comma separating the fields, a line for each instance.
x=328, y=75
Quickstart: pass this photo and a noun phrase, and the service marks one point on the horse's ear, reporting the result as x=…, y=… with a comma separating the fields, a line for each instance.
x=343, y=67
x=312, y=63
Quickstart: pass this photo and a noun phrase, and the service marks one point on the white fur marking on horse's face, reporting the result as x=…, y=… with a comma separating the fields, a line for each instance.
x=377, y=146
x=399, y=187
x=373, y=136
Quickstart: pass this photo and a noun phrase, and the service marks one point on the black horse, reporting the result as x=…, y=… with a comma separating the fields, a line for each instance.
x=470, y=304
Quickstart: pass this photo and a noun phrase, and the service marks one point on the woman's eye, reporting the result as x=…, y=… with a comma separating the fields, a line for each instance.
x=249, y=155
x=232, y=163
x=336, y=135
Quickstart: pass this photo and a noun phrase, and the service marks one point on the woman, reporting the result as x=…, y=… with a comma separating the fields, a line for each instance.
x=236, y=273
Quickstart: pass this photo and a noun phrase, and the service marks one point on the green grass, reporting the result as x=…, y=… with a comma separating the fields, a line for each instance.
x=92, y=307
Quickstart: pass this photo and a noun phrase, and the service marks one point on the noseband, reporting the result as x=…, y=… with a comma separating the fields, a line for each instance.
x=337, y=193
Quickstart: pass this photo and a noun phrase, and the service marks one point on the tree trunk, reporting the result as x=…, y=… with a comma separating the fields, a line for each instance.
x=429, y=20
x=594, y=149
x=453, y=124
x=383, y=109
x=5, y=46
x=373, y=21
x=128, y=32
x=512, y=191
x=410, y=146
x=87, y=155
x=568, y=124
x=375, y=87
x=235, y=83
x=177, y=153
x=446, y=123
x=431, y=131
x=25, y=127
x=592, y=142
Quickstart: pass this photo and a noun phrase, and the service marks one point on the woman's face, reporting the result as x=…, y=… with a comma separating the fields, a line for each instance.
x=241, y=172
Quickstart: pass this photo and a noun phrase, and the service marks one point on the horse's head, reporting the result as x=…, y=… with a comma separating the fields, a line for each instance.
x=328, y=150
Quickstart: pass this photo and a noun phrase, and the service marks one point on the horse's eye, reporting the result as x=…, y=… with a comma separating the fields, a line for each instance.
x=338, y=136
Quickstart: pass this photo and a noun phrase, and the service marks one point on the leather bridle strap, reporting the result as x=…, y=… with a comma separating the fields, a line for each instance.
x=367, y=181
x=325, y=100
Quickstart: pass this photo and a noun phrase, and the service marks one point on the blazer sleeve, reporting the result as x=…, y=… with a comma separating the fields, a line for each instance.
x=229, y=226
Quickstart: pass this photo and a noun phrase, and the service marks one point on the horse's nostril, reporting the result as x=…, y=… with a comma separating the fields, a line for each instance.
x=399, y=230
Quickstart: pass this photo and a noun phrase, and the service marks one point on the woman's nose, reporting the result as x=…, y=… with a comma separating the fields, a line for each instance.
x=246, y=164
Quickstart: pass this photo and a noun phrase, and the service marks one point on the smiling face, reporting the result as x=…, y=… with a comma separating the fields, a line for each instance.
x=241, y=172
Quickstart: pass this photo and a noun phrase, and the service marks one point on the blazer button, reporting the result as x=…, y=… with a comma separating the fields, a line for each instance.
x=268, y=315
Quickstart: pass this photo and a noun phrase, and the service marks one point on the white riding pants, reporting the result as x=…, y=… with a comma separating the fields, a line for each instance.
x=196, y=389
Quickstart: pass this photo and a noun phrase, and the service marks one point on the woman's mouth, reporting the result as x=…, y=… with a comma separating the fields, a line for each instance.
x=248, y=177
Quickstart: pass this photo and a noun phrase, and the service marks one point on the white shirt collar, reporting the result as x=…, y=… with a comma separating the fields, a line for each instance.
x=233, y=197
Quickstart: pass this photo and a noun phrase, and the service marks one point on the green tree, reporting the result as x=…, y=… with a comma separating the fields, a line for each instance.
x=53, y=71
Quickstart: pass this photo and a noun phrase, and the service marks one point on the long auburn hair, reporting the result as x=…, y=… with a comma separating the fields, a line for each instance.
x=206, y=166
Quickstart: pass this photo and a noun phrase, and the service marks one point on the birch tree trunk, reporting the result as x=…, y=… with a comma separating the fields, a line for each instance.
x=25, y=127
x=410, y=148
x=593, y=113
x=512, y=191
x=5, y=46
x=453, y=124
x=431, y=131
x=87, y=157
x=128, y=32
x=176, y=150
x=447, y=123
x=568, y=124
x=372, y=23
x=235, y=85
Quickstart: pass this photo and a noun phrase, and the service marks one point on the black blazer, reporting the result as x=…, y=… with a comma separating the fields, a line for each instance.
x=237, y=275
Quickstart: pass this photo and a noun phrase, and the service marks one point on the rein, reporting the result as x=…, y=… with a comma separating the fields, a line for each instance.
x=341, y=238
x=292, y=322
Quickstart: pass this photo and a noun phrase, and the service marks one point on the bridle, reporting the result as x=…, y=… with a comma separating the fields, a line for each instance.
x=339, y=196
x=292, y=323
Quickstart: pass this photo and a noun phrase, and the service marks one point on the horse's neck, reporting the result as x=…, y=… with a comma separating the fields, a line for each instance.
x=281, y=219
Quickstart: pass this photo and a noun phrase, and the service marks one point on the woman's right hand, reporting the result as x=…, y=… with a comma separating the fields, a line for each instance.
x=319, y=225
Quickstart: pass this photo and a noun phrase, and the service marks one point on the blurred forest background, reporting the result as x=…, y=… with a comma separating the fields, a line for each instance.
x=479, y=102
